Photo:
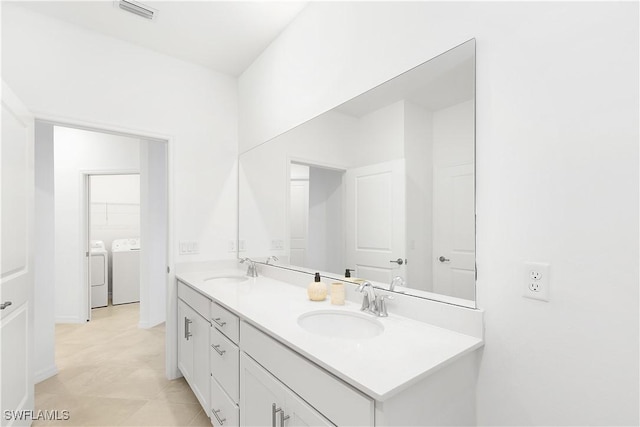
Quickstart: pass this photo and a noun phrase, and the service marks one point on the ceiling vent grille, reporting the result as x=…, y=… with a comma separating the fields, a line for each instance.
x=137, y=9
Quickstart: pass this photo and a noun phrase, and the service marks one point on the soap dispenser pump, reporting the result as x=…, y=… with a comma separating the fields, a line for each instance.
x=347, y=273
x=317, y=290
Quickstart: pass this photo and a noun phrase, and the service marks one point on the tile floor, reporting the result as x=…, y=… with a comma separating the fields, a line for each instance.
x=111, y=373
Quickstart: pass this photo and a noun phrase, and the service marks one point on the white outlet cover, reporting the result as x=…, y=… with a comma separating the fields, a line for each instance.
x=536, y=280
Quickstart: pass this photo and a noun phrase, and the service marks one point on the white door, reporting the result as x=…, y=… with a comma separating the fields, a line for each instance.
x=299, y=222
x=454, y=231
x=16, y=260
x=375, y=225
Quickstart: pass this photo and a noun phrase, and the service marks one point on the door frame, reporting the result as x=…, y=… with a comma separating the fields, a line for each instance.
x=171, y=332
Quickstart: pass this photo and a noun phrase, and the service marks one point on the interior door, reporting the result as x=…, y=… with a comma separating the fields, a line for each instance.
x=454, y=231
x=16, y=259
x=375, y=210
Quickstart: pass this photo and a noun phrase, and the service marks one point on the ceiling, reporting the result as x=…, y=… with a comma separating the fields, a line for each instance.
x=225, y=36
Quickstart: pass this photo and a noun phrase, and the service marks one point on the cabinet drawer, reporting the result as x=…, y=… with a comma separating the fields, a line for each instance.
x=336, y=400
x=224, y=412
x=197, y=301
x=225, y=321
x=225, y=363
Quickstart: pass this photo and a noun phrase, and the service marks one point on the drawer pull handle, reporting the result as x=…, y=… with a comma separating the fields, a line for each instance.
x=274, y=414
x=219, y=322
x=215, y=414
x=217, y=349
x=187, y=332
x=283, y=418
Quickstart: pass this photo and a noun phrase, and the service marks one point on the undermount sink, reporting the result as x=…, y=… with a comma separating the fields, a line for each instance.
x=227, y=279
x=340, y=324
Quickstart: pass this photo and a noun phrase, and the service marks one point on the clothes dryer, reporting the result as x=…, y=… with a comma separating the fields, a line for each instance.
x=99, y=274
x=125, y=269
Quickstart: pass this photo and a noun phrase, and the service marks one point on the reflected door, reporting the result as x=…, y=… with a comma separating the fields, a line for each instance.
x=17, y=276
x=375, y=210
x=454, y=231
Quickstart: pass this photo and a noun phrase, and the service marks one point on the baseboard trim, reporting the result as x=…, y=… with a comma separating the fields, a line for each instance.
x=44, y=374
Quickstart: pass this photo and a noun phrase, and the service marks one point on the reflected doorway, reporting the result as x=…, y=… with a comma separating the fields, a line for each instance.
x=316, y=216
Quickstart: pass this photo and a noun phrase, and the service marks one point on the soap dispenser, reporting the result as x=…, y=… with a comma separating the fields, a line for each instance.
x=347, y=273
x=317, y=290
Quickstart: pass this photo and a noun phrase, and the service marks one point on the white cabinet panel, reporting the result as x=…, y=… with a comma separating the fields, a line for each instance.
x=193, y=351
x=224, y=412
x=265, y=401
x=225, y=363
x=225, y=321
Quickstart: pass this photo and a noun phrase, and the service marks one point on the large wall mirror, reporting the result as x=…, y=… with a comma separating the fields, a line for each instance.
x=383, y=185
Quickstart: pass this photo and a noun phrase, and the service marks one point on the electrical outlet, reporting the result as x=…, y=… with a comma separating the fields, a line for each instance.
x=232, y=245
x=277, y=245
x=536, y=281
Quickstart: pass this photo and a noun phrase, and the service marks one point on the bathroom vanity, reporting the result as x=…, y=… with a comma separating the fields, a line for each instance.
x=256, y=351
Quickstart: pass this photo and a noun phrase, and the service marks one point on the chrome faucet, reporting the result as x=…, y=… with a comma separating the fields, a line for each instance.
x=371, y=302
x=252, y=271
x=272, y=258
x=396, y=281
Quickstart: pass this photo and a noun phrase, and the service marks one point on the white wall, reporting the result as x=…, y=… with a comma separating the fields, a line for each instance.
x=418, y=155
x=325, y=247
x=44, y=266
x=66, y=72
x=153, y=232
x=77, y=152
x=557, y=177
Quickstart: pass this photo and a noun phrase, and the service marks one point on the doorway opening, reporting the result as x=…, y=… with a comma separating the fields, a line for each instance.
x=113, y=204
x=316, y=216
x=78, y=157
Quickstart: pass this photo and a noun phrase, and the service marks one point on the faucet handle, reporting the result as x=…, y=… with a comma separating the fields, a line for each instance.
x=382, y=305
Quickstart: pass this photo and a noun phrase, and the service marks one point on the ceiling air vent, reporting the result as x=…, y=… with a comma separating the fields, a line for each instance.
x=137, y=9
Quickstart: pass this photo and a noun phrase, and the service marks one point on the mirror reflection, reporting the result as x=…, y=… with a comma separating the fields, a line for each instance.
x=382, y=185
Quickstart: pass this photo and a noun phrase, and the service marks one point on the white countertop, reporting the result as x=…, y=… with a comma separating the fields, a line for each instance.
x=381, y=366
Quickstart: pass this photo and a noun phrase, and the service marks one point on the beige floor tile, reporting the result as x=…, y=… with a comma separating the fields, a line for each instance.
x=201, y=420
x=162, y=413
x=113, y=373
x=177, y=391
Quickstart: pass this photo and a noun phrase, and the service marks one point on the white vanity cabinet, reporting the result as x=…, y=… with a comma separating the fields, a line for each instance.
x=193, y=341
x=265, y=401
x=248, y=369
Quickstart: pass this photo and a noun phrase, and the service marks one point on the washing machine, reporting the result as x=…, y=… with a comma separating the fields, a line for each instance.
x=99, y=274
x=125, y=270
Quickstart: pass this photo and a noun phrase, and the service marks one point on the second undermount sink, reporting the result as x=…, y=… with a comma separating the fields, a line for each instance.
x=340, y=324
x=227, y=279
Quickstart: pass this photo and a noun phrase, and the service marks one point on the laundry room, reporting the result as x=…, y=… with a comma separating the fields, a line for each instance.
x=114, y=233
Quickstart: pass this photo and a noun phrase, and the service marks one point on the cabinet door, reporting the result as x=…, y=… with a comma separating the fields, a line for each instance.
x=259, y=391
x=201, y=372
x=185, y=340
